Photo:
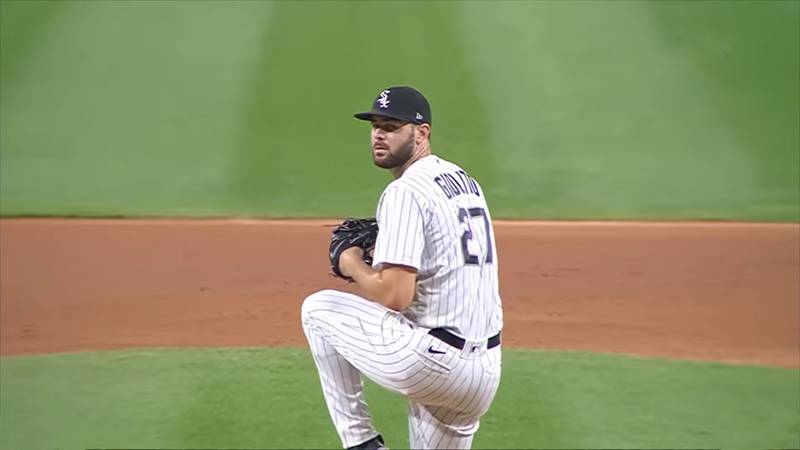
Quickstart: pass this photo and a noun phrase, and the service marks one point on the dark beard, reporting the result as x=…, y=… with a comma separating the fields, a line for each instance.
x=399, y=157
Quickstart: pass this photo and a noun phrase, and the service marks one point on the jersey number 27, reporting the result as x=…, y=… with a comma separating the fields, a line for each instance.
x=465, y=216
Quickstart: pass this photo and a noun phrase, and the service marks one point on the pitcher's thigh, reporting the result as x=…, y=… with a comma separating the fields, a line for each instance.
x=332, y=309
x=371, y=337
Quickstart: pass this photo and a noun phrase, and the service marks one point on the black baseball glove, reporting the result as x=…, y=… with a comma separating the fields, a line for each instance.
x=352, y=232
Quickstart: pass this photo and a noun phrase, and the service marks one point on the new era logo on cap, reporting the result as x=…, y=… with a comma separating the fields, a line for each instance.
x=400, y=102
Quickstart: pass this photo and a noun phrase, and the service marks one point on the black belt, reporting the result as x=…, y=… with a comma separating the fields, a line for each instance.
x=458, y=342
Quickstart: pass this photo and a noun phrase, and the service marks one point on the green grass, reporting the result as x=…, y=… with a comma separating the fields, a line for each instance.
x=607, y=110
x=270, y=398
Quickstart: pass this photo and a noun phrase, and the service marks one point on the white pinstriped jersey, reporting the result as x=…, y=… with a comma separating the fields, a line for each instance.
x=435, y=218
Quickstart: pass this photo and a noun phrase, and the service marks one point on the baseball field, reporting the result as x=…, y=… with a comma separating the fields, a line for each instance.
x=170, y=172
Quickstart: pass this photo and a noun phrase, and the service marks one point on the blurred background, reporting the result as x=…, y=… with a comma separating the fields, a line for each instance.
x=570, y=109
x=580, y=110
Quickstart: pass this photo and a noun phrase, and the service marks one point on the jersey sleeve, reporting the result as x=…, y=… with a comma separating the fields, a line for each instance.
x=400, y=228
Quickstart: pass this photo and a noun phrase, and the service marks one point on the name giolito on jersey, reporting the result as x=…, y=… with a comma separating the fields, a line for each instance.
x=457, y=183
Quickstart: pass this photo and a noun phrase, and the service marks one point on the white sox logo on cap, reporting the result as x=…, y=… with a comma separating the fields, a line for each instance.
x=383, y=100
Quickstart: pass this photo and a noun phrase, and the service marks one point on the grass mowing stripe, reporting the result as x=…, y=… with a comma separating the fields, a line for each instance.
x=593, y=127
x=748, y=54
x=108, y=401
x=670, y=404
x=123, y=107
x=260, y=399
x=629, y=110
x=597, y=113
x=303, y=154
x=270, y=398
x=22, y=25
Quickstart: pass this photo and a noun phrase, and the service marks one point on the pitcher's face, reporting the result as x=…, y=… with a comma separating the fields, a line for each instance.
x=393, y=142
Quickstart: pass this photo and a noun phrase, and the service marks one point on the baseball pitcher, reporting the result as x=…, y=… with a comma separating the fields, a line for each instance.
x=428, y=324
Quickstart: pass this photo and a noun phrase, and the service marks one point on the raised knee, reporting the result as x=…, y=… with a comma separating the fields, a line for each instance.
x=314, y=303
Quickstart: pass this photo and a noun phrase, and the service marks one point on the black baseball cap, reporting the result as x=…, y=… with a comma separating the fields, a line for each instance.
x=401, y=103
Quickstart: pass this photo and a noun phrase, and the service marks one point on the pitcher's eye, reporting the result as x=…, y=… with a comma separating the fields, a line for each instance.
x=388, y=127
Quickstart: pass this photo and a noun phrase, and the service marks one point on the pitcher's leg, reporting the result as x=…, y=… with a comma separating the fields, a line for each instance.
x=348, y=338
x=450, y=418
x=434, y=427
x=343, y=390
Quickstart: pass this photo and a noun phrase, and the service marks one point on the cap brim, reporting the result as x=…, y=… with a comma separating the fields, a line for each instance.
x=370, y=114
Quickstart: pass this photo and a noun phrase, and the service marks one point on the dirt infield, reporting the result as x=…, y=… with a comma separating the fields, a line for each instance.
x=703, y=291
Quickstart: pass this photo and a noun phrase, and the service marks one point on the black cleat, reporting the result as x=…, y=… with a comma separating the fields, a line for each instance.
x=375, y=443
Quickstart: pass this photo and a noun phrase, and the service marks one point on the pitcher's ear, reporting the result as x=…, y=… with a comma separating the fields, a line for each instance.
x=424, y=132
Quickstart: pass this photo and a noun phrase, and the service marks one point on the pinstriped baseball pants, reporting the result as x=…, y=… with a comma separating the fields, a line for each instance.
x=448, y=390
